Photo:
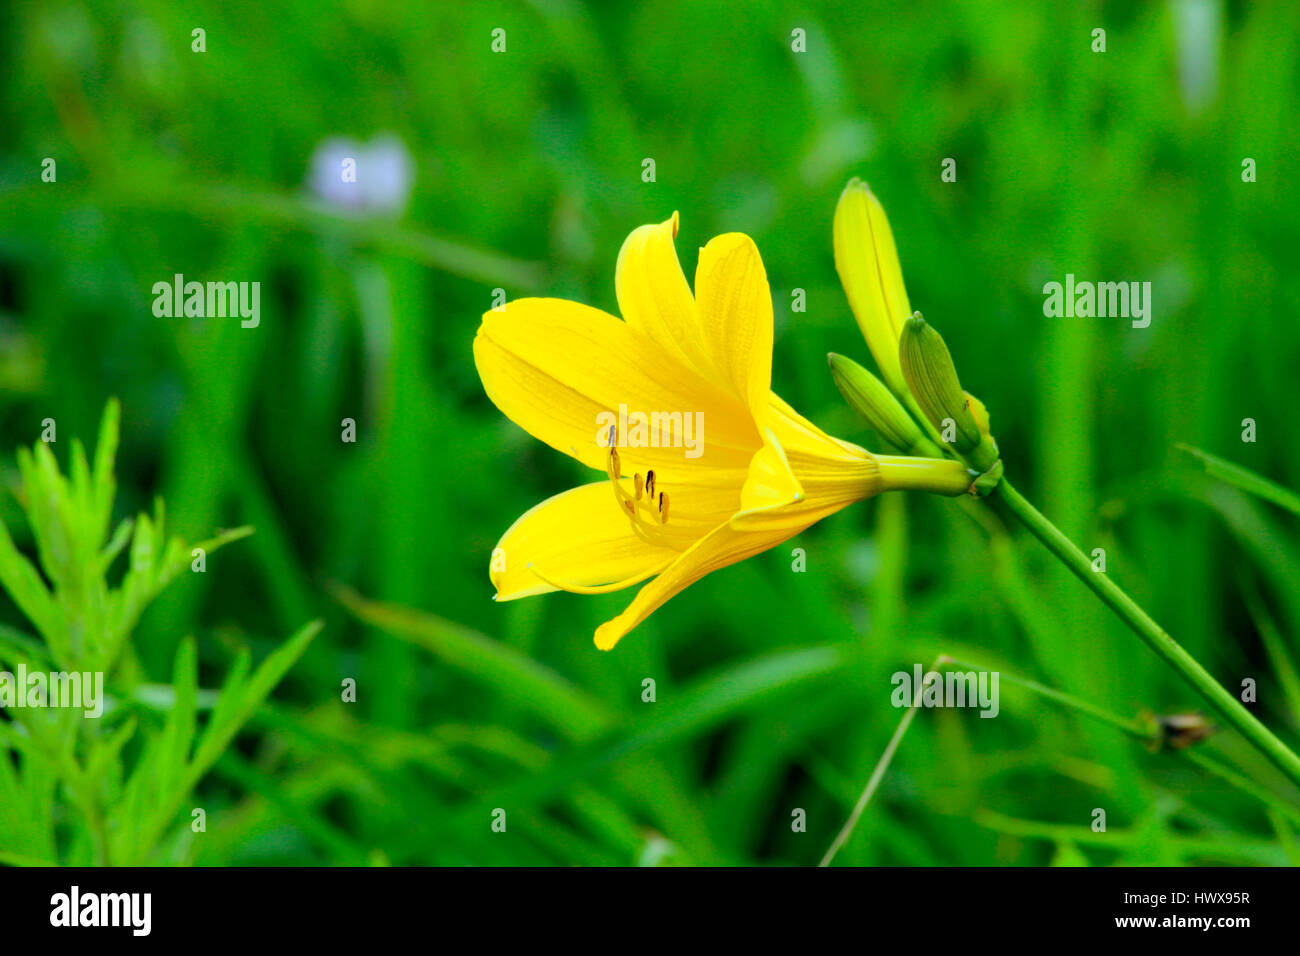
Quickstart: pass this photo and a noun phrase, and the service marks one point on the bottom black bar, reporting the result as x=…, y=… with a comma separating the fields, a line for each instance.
x=334, y=906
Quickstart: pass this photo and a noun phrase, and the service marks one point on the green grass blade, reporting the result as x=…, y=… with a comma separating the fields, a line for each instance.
x=1245, y=479
x=490, y=662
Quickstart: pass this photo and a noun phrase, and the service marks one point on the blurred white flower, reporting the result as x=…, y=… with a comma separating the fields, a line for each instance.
x=1198, y=31
x=374, y=177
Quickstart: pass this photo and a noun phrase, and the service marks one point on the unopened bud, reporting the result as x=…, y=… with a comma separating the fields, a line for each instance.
x=867, y=262
x=873, y=400
x=932, y=379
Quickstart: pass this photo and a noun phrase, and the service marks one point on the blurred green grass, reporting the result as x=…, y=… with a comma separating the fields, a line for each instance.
x=772, y=686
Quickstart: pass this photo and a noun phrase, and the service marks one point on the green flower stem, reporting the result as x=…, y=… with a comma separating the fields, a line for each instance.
x=1227, y=706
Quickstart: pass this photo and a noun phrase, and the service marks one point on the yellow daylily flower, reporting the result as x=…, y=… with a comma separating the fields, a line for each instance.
x=752, y=474
x=867, y=261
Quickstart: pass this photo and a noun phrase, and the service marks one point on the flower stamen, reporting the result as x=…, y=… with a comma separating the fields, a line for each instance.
x=646, y=513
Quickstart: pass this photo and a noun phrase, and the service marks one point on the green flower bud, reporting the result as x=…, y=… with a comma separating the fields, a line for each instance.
x=932, y=379
x=873, y=400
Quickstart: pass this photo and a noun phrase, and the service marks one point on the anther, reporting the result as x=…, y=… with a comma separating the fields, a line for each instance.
x=647, y=525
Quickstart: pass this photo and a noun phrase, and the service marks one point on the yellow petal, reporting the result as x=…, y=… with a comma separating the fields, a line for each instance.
x=721, y=547
x=561, y=371
x=578, y=537
x=867, y=261
x=734, y=304
x=829, y=475
x=654, y=298
x=801, y=474
x=769, y=485
x=698, y=503
x=797, y=433
x=770, y=480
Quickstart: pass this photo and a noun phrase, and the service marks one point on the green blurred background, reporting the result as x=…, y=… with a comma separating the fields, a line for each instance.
x=773, y=686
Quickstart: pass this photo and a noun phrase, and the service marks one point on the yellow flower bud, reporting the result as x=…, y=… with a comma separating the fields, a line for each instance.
x=867, y=261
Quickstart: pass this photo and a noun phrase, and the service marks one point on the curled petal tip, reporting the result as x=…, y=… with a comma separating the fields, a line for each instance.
x=606, y=637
